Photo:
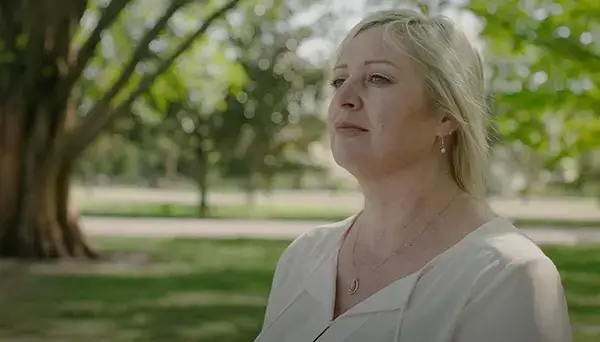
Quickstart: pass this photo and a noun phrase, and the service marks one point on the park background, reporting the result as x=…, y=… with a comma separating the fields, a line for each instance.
x=157, y=156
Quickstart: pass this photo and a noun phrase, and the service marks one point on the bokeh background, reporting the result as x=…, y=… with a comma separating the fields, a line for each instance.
x=157, y=156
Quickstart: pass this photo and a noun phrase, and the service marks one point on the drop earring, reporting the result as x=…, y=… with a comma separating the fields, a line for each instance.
x=443, y=147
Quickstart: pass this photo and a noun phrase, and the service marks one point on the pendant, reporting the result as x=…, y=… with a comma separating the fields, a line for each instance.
x=353, y=288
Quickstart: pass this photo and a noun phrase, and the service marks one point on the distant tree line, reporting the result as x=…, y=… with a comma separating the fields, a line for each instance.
x=215, y=93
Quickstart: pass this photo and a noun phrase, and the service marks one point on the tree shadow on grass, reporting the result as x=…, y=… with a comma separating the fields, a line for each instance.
x=215, y=305
x=183, y=290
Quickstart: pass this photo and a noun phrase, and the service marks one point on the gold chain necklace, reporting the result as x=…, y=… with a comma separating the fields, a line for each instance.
x=355, y=283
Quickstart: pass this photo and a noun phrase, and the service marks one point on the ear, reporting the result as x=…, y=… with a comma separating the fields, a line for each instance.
x=447, y=124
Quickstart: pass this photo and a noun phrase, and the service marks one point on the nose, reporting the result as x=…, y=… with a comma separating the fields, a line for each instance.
x=348, y=97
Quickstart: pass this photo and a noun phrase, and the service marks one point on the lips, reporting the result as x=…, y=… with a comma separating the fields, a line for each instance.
x=349, y=127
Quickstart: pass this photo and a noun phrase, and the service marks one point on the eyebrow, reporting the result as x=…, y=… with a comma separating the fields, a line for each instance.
x=375, y=61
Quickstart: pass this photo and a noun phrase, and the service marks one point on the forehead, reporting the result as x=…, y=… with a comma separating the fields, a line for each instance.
x=371, y=45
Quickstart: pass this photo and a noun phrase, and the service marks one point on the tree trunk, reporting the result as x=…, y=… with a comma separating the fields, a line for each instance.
x=171, y=162
x=250, y=190
x=39, y=140
x=201, y=181
x=45, y=227
x=298, y=180
x=35, y=110
x=35, y=218
x=203, y=199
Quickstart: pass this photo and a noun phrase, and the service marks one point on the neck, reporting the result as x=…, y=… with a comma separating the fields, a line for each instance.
x=405, y=201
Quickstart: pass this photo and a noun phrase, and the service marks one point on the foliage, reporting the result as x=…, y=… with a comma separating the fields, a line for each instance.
x=48, y=118
x=271, y=122
x=258, y=116
x=544, y=62
x=542, y=68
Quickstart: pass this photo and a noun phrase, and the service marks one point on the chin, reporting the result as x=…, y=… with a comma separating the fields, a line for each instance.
x=350, y=159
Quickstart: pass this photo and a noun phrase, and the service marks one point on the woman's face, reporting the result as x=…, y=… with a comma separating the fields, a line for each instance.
x=379, y=117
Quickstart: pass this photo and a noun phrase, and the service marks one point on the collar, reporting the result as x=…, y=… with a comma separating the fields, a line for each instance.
x=321, y=283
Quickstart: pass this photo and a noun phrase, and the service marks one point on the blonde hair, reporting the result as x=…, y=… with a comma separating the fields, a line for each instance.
x=453, y=73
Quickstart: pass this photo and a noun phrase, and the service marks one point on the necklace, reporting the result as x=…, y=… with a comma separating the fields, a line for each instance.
x=355, y=283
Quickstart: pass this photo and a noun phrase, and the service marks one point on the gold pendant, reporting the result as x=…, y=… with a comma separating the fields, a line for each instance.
x=353, y=288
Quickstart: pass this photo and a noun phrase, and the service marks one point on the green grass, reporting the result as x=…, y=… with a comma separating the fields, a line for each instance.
x=580, y=272
x=196, y=290
x=279, y=212
x=187, y=290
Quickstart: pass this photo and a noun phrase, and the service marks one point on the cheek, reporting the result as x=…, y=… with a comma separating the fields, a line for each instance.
x=330, y=113
x=401, y=129
x=403, y=111
x=392, y=120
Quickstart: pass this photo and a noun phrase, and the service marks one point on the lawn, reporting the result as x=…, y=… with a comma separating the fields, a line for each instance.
x=268, y=212
x=195, y=290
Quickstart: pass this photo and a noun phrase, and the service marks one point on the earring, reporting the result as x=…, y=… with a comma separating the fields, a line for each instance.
x=443, y=147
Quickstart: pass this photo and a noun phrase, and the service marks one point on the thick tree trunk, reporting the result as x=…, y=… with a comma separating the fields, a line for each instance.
x=44, y=227
x=35, y=218
x=38, y=139
x=35, y=111
x=10, y=177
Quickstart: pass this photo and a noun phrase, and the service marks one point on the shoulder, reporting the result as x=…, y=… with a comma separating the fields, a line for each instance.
x=483, y=258
x=506, y=246
x=495, y=277
x=514, y=287
x=498, y=254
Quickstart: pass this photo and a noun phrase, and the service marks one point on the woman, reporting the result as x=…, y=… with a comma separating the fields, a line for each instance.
x=426, y=259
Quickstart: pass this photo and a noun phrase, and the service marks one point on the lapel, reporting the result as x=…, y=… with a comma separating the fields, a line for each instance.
x=315, y=294
x=321, y=283
x=322, y=280
x=320, y=286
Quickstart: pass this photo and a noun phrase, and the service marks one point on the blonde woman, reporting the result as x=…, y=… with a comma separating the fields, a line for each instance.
x=426, y=260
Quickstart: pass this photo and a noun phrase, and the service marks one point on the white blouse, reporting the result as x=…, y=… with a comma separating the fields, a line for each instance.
x=495, y=285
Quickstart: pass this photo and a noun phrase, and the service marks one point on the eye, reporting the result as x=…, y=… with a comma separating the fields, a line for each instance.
x=337, y=82
x=379, y=79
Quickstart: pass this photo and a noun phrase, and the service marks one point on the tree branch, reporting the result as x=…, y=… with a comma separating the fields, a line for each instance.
x=564, y=47
x=147, y=81
x=103, y=112
x=140, y=52
x=109, y=14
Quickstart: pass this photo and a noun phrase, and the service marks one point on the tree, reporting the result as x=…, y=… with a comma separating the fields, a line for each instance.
x=41, y=135
x=262, y=128
x=543, y=69
x=209, y=123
